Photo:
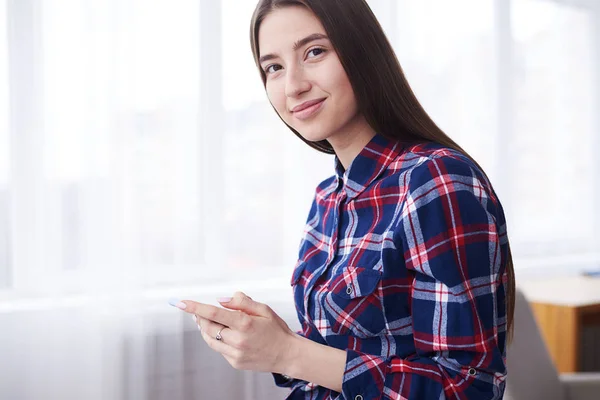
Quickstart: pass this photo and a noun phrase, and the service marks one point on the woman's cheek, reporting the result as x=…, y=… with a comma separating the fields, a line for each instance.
x=279, y=104
x=276, y=100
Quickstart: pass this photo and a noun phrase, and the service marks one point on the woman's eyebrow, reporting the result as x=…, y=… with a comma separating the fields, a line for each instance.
x=297, y=45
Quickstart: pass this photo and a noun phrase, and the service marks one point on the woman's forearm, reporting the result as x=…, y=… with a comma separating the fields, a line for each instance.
x=316, y=363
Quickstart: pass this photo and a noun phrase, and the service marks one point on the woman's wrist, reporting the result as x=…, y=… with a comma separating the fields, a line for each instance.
x=313, y=362
x=288, y=365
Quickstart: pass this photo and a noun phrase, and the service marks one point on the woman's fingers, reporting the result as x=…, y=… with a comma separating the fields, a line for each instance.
x=210, y=329
x=212, y=313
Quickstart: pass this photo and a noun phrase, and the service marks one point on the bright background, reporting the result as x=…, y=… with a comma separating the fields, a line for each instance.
x=140, y=159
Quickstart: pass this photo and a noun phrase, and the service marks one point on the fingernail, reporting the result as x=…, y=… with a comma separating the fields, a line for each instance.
x=194, y=318
x=224, y=299
x=177, y=303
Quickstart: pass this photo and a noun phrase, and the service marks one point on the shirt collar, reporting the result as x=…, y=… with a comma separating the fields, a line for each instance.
x=371, y=162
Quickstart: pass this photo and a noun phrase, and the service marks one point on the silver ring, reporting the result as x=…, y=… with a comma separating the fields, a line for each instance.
x=219, y=337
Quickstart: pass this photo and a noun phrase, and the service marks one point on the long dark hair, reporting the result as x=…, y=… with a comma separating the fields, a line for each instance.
x=382, y=92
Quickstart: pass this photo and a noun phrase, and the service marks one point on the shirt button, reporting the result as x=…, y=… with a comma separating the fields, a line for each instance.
x=358, y=397
x=472, y=371
x=349, y=291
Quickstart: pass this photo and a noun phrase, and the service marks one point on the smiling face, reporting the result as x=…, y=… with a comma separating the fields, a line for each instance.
x=305, y=81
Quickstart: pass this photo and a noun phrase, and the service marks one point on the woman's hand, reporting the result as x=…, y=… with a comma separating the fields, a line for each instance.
x=254, y=337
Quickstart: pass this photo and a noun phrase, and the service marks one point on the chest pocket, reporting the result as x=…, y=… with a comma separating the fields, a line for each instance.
x=353, y=304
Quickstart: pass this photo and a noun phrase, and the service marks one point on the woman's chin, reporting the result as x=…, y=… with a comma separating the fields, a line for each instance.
x=312, y=136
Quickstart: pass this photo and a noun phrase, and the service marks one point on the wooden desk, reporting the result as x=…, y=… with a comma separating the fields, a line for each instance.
x=567, y=311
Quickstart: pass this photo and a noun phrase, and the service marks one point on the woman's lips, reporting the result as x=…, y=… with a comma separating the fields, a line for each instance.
x=309, y=111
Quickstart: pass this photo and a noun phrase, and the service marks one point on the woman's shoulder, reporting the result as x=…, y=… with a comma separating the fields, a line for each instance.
x=426, y=166
x=433, y=161
x=416, y=154
x=435, y=173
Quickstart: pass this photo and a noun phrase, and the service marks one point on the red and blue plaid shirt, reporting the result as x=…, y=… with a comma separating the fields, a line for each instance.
x=402, y=265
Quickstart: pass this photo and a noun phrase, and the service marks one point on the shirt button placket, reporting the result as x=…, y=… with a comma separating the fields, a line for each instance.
x=336, y=228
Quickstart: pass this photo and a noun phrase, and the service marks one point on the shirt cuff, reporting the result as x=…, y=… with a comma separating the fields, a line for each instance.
x=282, y=380
x=364, y=376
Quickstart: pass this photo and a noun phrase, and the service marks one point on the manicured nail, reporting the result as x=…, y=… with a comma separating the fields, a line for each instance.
x=177, y=303
x=224, y=299
x=194, y=318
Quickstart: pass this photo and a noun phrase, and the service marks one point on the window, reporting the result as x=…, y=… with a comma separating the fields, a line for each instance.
x=553, y=175
x=141, y=148
x=5, y=259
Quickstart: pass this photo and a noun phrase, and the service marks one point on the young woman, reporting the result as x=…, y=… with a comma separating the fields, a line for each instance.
x=404, y=285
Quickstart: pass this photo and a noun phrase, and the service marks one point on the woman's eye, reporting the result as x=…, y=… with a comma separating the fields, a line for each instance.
x=316, y=51
x=271, y=68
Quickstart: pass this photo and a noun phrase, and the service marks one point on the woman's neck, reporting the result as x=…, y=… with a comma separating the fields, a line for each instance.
x=350, y=143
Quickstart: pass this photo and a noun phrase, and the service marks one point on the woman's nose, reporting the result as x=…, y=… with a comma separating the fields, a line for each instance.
x=296, y=82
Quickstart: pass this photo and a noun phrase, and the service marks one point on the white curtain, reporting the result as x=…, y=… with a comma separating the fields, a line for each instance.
x=140, y=159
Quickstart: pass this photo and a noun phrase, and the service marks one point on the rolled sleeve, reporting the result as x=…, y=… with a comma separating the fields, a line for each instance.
x=364, y=376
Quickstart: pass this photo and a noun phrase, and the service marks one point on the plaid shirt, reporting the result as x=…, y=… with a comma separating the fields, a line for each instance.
x=402, y=265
